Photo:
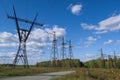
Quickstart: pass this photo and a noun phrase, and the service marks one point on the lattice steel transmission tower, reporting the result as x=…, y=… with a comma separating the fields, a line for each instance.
x=54, y=53
x=102, y=58
x=70, y=54
x=70, y=50
x=110, y=59
x=63, y=49
x=115, y=60
x=115, y=57
x=23, y=35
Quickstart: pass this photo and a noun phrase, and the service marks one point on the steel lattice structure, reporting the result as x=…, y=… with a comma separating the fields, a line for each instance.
x=70, y=50
x=54, y=53
x=23, y=35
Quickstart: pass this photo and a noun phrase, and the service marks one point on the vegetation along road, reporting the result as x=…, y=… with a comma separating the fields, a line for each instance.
x=45, y=76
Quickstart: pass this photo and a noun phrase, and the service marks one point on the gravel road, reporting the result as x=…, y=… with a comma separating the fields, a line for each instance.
x=45, y=76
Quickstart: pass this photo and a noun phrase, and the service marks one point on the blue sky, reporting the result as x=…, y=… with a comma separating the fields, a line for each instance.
x=89, y=24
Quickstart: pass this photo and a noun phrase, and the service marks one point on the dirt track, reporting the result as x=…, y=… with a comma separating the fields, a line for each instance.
x=46, y=76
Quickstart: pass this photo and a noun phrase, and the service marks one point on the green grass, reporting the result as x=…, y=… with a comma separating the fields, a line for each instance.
x=20, y=71
x=92, y=74
x=79, y=74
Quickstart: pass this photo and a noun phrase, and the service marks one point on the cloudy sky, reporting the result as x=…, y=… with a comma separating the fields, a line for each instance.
x=90, y=25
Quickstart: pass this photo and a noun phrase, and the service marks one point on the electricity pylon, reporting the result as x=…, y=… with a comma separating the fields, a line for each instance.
x=70, y=50
x=23, y=35
x=70, y=53
x=102, y=58
x=63, y=49
x=54, y=53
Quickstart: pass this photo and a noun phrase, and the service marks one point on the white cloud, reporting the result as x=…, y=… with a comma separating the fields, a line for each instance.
x=108, y=42
x=38, y=35
x=12, y=44
x=118, y=41
x=104, y=26
x=36, y=43
x=90, y=41
x=7, y=54
x=89, y=27
x=58, y=31
x=90, y=38
x=7, y=37
x=75, y=9
x=89, y=56
x=101, y=32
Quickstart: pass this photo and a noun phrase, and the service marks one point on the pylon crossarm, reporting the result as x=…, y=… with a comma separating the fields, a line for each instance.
x=31, y=27
x=23, y=20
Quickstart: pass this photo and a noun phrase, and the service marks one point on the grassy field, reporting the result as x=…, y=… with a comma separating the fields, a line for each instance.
x=20, y=71
x=79, y=74
x=92, y=74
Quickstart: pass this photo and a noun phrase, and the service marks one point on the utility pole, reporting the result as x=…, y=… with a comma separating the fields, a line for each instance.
x=54, y=53
x=23, y=35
